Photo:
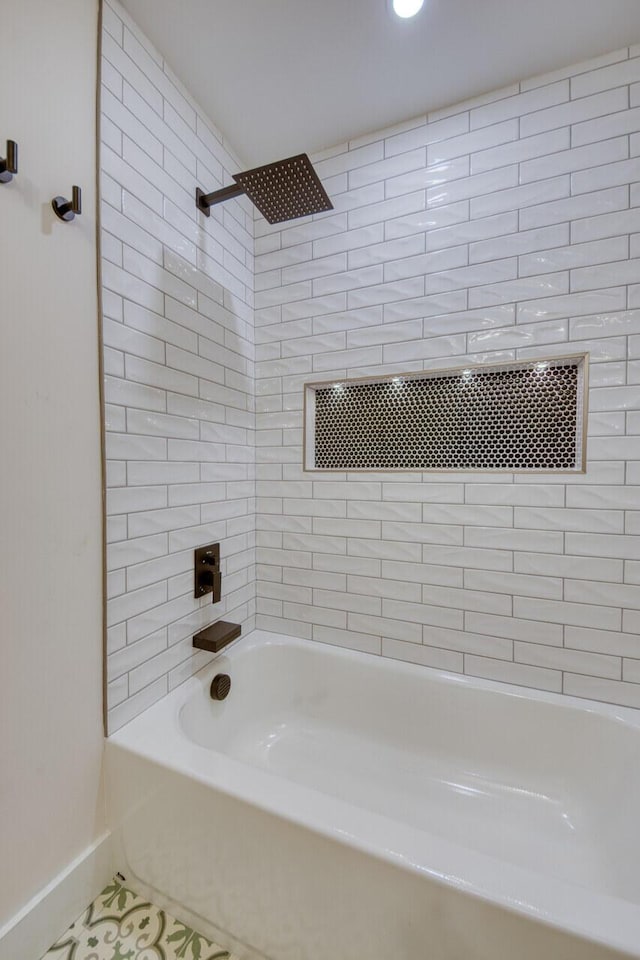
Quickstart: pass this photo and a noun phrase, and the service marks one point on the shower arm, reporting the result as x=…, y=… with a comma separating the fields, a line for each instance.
x=206, y=200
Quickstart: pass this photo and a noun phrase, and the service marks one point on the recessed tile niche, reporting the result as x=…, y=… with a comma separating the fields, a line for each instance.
x=523, y=416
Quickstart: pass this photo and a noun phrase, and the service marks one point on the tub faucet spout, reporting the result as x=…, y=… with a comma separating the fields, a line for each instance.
x=217, y=636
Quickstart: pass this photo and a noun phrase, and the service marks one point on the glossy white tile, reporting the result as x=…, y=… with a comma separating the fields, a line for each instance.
x=574, y=111
x=504, y=226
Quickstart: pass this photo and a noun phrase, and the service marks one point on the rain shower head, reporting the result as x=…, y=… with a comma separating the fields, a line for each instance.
x=281, y=191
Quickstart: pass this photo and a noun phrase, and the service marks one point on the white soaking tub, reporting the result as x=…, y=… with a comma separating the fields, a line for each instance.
x=338, y=805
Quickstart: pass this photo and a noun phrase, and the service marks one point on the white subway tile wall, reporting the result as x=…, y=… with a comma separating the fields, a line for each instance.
x=505, y=228
x=502, y=229
x=179, y=372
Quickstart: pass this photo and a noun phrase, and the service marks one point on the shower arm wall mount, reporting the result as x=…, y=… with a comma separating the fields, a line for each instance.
x=206, y=200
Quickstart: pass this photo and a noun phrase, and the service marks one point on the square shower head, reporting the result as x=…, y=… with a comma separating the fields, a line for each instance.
x=285, y=190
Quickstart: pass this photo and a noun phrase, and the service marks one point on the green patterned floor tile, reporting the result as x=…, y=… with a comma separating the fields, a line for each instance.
x=120, y=925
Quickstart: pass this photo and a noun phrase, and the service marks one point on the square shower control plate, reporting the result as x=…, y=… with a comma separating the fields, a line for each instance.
x=207, y=577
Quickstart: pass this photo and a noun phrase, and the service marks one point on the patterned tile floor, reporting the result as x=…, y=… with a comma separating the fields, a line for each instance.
x=120, y=925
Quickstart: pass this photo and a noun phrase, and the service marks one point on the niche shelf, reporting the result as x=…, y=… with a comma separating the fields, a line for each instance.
x=518, y=416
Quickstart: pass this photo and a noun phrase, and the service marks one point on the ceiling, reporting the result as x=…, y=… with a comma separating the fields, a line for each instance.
x=280, y=77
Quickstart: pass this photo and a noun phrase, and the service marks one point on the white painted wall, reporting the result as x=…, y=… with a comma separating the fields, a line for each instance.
x=50, y=511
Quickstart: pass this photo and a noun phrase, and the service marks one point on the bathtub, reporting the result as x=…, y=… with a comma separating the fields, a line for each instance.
x=339, y=805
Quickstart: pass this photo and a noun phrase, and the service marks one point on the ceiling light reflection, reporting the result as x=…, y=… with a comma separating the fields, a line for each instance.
x=407, y=8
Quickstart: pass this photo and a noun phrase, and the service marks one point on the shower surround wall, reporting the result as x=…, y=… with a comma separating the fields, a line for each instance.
x=504, y=228
x=178, y=362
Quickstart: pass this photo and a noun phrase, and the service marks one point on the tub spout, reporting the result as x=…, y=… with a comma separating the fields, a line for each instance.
x=217, y=636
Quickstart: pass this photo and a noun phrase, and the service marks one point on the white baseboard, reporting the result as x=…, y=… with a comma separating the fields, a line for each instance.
x=29, y=934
